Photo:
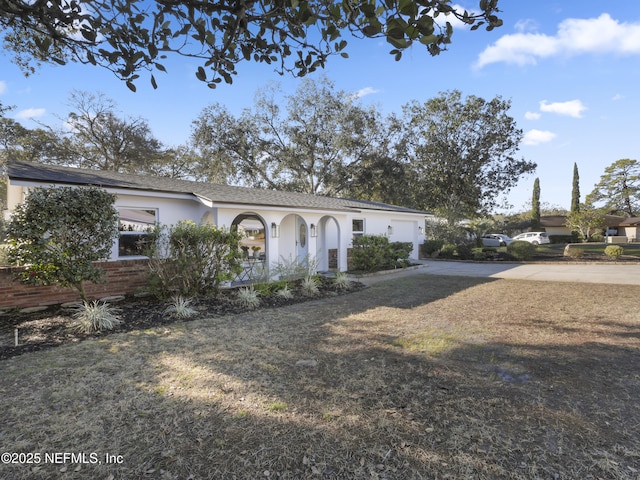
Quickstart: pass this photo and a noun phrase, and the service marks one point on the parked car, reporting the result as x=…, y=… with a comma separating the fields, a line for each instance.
x=503, y=240
x=537, y=238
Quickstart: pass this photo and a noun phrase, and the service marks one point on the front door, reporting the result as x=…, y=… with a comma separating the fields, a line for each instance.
x=302, y=240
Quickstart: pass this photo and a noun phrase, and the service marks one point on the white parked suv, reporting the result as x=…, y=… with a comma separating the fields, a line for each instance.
x=537, y=238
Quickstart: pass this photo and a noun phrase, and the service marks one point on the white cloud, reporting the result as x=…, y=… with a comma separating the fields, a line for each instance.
x=3, y=87
x=365, y=91
x=532, y=115
x=572, y=108
x=617, y=97
x=30, y=113
x=602, y=35
x=536, y=137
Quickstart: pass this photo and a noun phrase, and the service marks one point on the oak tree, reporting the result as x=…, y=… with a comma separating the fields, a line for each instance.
x=463, y=153
x=298, y=36
x=314, y=140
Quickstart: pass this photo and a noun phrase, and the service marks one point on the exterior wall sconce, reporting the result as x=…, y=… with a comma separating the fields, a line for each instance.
x=420, y=230
x=313, y=230
x=275, y=230
x=390, y=230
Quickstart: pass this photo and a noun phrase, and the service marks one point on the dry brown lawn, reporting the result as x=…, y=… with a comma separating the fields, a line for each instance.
x=425, y=377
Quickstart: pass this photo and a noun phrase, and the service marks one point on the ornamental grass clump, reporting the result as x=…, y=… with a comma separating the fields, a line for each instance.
x=341, y=281
x=285, y=292
x=95, y=316
x=310, y=286
x=181, y=307
x=247, y=297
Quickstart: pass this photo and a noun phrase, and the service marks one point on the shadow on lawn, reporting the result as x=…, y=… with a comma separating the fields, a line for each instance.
x=229, y=398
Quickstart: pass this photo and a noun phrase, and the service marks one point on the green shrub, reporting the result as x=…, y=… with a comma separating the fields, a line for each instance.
x=374, y=252
x=479, y=254
x=448, y=250
x=4, y=257
x=400, y=252
x=464, y=251
x=429, y=247
x=613, y=252
x=191, y=260
x=59, y=233
x=521, y=250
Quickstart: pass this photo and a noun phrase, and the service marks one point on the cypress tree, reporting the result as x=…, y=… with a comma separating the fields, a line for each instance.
x=535, y=205
x=575, y=192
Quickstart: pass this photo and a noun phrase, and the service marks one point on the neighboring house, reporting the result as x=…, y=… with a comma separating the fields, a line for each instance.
x=555, y=225
x=616, y=226
x=629, y=227
x=279, y=224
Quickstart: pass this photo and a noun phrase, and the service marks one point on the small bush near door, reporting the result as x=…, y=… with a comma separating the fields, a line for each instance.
x=188, y=259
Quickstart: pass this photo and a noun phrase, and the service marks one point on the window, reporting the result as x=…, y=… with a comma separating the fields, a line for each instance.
x=134, y=227
x=357, y=227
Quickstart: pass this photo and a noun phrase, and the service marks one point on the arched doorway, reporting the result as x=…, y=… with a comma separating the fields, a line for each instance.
x=254, y=240
x=328, y=244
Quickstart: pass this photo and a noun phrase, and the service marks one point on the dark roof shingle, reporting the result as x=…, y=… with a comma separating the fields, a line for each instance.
x=216, y=193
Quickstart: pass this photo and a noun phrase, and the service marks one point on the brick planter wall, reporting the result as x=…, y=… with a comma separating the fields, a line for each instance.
x=123, y=277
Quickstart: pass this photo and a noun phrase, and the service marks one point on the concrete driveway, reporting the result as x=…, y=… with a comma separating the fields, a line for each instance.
x=622, y=274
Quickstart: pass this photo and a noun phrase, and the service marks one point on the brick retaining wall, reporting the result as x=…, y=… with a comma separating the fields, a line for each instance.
x=123, y=277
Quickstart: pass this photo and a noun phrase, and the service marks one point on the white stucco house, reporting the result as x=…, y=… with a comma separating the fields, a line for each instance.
x=278, y=224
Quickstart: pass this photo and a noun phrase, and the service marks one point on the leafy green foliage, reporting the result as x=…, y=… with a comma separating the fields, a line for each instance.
x=463, y=151
x=375, y=252
x=58, y=234
x=448, y=250
x=587, y=221
x=191, y=259
x=314, y=140
x=129, y=36
x=521, y=250
x=95, y=316
x=429, y=247
x=464, y=251
x=613, y=252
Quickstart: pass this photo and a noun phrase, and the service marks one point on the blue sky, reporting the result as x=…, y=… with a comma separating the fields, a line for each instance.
x=571, y=70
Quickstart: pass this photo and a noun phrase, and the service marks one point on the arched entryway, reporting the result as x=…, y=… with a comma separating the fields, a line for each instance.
x=253, y=245
x=328, y=244
x=253, y=229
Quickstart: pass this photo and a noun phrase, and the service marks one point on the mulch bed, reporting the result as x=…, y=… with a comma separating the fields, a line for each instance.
x=51, y=327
